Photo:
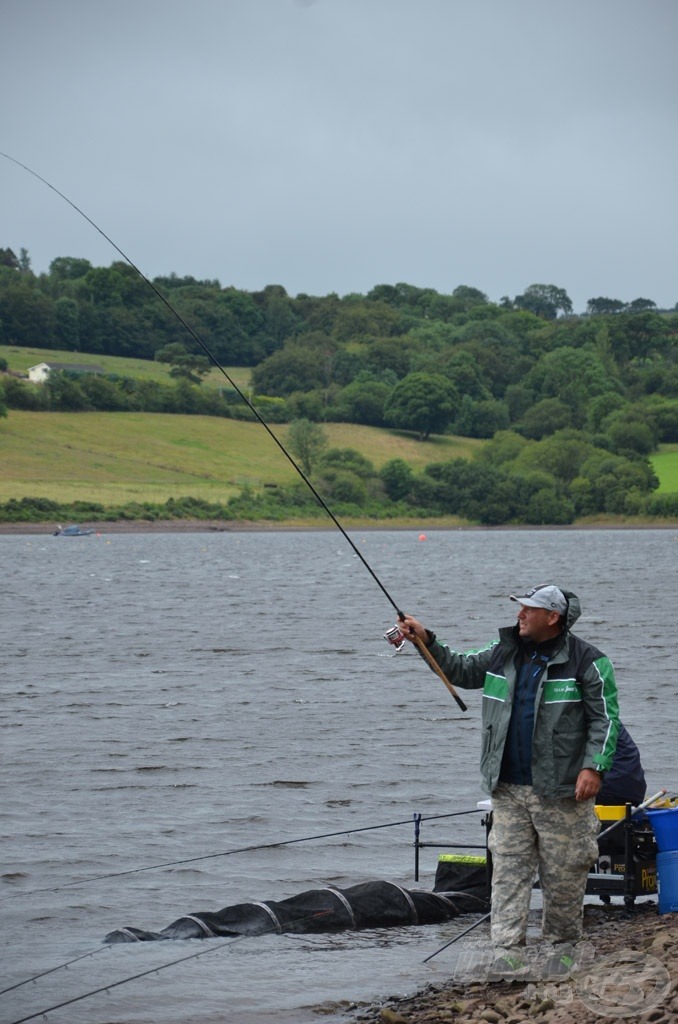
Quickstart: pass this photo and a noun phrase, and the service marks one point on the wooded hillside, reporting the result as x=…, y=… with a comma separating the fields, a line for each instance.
x=572, y=406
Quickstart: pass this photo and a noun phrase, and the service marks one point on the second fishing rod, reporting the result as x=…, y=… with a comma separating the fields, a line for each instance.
x=391, y=636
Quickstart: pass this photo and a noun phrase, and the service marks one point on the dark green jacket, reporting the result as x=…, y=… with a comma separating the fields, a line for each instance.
x=576, y=718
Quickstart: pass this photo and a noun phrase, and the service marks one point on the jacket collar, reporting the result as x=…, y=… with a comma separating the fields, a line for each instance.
x=509, y=636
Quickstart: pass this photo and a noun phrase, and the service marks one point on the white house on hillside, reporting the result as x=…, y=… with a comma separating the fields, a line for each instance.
x=41, y=371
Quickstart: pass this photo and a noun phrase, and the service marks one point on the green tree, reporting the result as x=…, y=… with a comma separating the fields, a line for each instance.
x=638, y=336
x=665, y=416
x=365, y=320
x=299, y=366
x=8, y=259
x=544, y=418
x=631, y=437
x=562, y=455
x=503, y=449
x=102, y=394
x=184, y=365
x=349, y=459
x=393, y=356
x=280, y=320
x=472, y=490
x=469, y=297
x=422, y=402
x=105, y=286
x=27, y=317
x=600, y=407
x=465, y=374
x=641, y=305
x=242, y=327
x=572, y=375
x=341, y=485
x=546, y=506
x=67, y=268
x=22, y=395
x=602, y=306
x=544, y=300
x=363, y=400
x=303, y=405
x=605, y=481
x=481, y=419
x=518, y=398
x=306, y=441
x=67, y=326
x=401, y=295
x=64, y=393
x=397, y=477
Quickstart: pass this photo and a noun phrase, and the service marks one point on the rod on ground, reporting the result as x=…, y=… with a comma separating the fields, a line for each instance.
x=459, y=935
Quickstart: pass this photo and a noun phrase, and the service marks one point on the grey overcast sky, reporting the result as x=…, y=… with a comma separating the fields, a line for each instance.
x=332, y=145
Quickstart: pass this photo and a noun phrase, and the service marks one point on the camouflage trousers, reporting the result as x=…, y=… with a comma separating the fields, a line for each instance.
x=554, y=839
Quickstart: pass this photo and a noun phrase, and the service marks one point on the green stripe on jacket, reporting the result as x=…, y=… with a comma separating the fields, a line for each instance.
x=496, y=687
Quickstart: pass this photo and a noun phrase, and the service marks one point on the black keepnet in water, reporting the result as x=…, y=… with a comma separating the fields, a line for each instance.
x=376, y=904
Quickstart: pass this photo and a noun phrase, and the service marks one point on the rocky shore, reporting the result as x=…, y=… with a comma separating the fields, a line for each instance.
x=631, y=973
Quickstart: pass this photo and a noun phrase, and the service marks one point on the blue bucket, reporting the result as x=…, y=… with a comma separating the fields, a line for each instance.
x=665, y=827
x=667, y=881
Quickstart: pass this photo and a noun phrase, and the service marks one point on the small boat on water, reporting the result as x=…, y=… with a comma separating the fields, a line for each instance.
x=73, y=531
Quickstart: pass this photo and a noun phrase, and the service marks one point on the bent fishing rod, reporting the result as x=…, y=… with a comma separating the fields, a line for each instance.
x=213, y=359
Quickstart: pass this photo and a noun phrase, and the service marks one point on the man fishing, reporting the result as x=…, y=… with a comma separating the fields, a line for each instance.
x=550, y=722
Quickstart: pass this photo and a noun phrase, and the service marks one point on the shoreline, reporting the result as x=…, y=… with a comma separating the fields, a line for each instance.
x=633, y=974
x=238, y=526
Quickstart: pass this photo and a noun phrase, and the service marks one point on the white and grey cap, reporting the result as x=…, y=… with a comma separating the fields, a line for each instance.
x=544, y=596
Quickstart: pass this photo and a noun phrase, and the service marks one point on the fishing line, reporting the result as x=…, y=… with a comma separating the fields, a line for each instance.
x=229, y=853
x=421, y=646
x=83, y=956
x=162, y=967
x=218, y=365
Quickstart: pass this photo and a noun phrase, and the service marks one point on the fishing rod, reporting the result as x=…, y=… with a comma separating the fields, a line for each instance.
x=419, y=643
x=459, y=935
x=156, y=970
x=51, y=970
x=229, y=853
x=634, y=810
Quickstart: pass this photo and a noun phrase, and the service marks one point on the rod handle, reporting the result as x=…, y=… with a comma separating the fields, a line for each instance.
x=438, y=671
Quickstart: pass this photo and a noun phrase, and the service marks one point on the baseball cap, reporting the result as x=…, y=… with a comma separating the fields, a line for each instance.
x=544, y=596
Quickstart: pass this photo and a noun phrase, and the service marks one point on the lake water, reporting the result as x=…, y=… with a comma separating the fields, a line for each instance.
x=167, y=697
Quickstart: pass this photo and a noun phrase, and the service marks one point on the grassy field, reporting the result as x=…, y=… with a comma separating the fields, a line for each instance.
x=19, y=359
x=117, y=458
x=665, y=463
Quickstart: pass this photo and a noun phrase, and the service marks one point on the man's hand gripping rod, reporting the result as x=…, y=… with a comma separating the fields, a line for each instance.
x=396, y=638
x=438, y=671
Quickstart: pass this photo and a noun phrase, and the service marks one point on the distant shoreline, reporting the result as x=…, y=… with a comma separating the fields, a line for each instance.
x=228, y=526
